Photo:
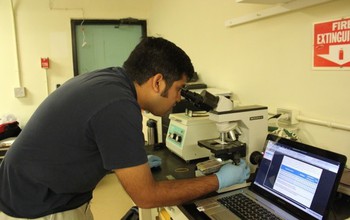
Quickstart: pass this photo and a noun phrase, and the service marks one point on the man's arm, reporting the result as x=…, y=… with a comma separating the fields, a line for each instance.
x=148, y=193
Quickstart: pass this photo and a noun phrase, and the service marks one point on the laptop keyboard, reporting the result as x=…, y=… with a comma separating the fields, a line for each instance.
x=246, y=208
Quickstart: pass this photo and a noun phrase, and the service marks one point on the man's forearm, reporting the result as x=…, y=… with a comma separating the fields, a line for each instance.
x=146, y=192
x=176, y=192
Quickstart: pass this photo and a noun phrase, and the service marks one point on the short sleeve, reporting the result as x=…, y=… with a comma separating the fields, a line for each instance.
x=117, y=130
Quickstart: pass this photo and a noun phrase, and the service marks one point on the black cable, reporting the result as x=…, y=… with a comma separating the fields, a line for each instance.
x=333, y=213
x=275, y=116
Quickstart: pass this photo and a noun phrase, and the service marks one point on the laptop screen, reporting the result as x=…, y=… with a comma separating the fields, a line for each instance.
x=299, y=177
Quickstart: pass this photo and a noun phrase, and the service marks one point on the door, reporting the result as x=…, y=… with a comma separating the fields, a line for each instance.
x=104, y=43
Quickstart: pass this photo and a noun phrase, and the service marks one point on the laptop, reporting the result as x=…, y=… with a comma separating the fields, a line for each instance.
x=293, y=181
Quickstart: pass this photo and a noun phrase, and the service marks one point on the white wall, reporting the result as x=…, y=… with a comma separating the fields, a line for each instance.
x=43, y=30
x=267, y=62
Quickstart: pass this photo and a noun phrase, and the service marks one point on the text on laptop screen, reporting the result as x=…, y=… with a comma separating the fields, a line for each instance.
x=301, y=179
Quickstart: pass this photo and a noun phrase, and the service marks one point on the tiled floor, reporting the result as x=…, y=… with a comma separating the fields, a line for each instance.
x=110, y=201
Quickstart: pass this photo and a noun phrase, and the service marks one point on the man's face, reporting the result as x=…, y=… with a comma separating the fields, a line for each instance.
x=169, y=98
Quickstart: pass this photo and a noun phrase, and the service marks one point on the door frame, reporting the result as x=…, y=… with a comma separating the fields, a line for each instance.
x=78, y=22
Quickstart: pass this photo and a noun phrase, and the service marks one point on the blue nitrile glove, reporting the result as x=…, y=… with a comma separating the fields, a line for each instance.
x=154, y=161
x=231, y=174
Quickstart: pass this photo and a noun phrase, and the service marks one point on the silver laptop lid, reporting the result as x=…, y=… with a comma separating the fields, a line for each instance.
x=298, y=177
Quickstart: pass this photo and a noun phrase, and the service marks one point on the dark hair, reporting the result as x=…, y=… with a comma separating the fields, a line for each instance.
x=157, y=55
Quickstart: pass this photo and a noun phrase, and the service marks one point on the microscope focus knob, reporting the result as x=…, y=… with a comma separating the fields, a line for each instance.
x=256, y=157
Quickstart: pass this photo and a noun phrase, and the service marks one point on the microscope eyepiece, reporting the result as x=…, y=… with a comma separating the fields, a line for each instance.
x=205, y=101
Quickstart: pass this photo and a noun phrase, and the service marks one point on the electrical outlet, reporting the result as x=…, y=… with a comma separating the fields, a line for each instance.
x=20, y=92
x=289, y=115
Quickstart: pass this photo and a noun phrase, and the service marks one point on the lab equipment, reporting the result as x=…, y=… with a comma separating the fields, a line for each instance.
x=191, y=123
x=294, y=181
x=152, y=134
x=210, y=166
x=184, y=132
x=242, y=130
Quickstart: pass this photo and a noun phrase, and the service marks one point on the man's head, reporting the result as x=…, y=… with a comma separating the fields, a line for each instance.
x=159, y=69
x=157, y=55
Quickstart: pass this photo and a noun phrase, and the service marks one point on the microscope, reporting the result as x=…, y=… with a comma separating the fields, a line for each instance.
x=242, y=130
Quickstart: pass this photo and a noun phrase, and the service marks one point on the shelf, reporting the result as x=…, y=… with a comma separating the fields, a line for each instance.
x=288, y=6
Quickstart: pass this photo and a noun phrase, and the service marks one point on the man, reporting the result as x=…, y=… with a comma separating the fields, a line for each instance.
x=91, y=125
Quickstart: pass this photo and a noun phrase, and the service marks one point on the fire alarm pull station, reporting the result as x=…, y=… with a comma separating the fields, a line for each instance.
x=45, y=63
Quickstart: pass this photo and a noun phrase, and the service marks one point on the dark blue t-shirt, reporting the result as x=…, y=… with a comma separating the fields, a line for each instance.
x=90, y=125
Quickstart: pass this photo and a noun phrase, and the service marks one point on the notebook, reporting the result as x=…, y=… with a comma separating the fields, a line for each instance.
x=293, y=181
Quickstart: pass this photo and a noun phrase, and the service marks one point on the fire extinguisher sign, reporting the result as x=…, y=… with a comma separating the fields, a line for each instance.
x=332, y=44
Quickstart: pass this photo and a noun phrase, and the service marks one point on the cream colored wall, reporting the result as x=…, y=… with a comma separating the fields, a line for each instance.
x=43, y=30
x=267, y=62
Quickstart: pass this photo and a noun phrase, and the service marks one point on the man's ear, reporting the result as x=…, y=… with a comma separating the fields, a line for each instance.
x=157, y=81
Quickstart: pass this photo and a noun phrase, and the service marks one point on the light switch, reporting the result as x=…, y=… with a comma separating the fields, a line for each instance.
x=20, y=92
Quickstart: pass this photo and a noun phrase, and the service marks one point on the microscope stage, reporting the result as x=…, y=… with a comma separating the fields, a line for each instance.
x=224, y=149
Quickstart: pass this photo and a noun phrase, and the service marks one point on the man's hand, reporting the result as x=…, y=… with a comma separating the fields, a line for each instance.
x=230, y=174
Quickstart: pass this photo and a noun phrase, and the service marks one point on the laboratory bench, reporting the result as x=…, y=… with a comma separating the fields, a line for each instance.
x=173, y=167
